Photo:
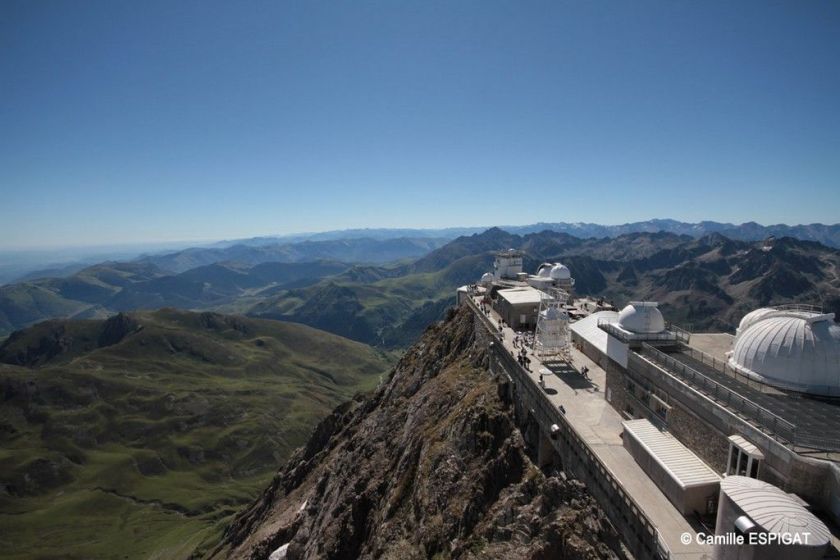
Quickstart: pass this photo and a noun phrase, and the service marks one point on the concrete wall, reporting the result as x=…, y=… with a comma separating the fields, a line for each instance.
x=512, y=314
x=703, y=426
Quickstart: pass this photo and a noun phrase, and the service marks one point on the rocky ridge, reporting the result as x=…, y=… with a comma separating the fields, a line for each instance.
x=429, y=466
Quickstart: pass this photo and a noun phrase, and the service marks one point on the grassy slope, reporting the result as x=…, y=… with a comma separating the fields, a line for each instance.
x=146, y=447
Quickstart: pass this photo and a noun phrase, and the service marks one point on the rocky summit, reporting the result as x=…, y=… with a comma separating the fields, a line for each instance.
x=431, y=465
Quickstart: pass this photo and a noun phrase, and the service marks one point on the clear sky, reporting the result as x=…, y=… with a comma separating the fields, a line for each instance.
x=154, y=121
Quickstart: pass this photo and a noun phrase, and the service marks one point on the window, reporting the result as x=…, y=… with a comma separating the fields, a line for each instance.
x=744, y=458
x=733, y=460
x=754, y=469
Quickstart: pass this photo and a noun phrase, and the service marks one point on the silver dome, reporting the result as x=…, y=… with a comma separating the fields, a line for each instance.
x=560, y=272
x=753, y=317
x=793, y=350
x=641, y=317
x=544, y=270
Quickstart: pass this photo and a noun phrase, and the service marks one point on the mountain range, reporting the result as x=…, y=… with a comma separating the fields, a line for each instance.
x=704, y=283
x=141, y=435
x=171, y=421
x=749, y=231
x=27, y=265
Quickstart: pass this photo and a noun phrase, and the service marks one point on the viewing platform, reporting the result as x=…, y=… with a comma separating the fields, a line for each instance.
x=560, y=395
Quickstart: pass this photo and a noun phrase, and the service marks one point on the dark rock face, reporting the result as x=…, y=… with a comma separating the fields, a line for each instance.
x=116, y=328
x=429, y=466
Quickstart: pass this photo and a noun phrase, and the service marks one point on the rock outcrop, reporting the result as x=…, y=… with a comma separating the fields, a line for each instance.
x=429, y=466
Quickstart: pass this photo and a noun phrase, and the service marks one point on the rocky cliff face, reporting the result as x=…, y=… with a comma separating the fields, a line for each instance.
x=430, y=466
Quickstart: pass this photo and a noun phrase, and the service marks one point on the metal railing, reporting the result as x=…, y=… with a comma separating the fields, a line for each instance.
x=682, y=334
x=768, y=422
x=798, y=307
x=622, y=510
x=722, y=367
x=672, y=333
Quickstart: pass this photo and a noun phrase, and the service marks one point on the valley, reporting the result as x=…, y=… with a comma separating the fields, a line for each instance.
x=142, y=434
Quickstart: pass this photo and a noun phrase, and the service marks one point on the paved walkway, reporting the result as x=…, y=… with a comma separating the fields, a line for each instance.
x=599, y=425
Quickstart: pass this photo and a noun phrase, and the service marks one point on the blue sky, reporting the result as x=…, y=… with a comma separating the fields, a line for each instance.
x=152, y=121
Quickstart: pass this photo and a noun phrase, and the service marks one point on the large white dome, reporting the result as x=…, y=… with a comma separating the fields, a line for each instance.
x=641, y=317
x=794, y=350
x=753, y=317
x=560, y=272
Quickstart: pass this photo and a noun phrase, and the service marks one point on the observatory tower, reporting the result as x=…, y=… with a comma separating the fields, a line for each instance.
x=553, y=338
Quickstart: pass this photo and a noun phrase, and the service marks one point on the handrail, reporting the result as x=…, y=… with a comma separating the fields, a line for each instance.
x=722, y=367
x=671, y=333
x=810, y=308
x=630, y=509
x=630, y=506
x=768, y=421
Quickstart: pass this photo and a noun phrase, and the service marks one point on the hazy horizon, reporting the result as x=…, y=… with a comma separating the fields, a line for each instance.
x=163, y=245
x=130, y=124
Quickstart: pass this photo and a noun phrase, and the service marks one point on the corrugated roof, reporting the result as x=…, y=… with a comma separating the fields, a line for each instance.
x=681, y=462
x=774, y=510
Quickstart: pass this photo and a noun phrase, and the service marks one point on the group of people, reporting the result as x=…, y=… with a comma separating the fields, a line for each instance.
x=518, y=341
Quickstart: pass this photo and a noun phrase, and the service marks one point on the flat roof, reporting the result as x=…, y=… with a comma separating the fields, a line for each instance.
x=521, y=296
x=587, y=329
x=680, y=461
x=713, y=344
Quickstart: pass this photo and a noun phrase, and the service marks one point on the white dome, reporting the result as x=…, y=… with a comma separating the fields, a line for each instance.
x=753, y=317
x=641, y=317
x=545, y=270
x=794, y=350
x=487, y=278
x=560, y=272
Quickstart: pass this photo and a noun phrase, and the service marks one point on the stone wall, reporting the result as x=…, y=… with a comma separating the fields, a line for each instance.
x=709, y=444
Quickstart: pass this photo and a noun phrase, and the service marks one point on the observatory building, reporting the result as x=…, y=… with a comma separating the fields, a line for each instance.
x=762, y=404
x=552, y=275
x=739, y=433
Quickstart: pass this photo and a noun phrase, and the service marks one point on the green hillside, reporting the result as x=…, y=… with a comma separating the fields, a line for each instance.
x=140, y=435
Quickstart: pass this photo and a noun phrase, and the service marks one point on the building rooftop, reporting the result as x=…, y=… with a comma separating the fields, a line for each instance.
x=521, y=296
x=679, y=460
x=588, y=330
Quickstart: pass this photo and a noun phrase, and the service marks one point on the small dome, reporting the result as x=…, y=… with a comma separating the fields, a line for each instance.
x=487, y=278
x=795, y=350
x=641, y=317
x=753, y=317
x=560, y=272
